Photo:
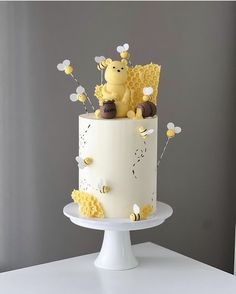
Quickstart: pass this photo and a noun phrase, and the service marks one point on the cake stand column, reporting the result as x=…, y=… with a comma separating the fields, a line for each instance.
x=116, y=252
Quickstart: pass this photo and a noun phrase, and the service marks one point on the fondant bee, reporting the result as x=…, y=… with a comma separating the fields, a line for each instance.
x=135, y=216
x=123, y=50
x=82, y=163
x=146, y=108
x=145, y=132
x=172, y=130
x=79, y=95
x=65, y=66
x=103, y=188
x=101, y=62
x=147, y=92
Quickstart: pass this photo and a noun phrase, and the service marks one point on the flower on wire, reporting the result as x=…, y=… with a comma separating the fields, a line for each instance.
x=79, y=96
x=172, y=130
x=65, y=66
x=124, y=54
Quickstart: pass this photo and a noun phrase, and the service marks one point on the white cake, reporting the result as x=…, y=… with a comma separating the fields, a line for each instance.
x=117, y=155
x=122, y=159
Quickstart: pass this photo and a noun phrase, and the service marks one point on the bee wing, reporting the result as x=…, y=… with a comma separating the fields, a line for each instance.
x=147, y=91
x=149, y=132
x=120, y=49
x=99, y=59
x=100, y=184
x=170, y=126
x=126, y=46
x=80, y=162
x=136, y=209
x=177, y=130
x=73, y=97
x=80, y=90
x=66, y=62
x=60, y=67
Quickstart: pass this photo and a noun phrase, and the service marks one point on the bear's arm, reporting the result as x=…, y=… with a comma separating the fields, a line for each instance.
x=107, y=95
x=126, y=96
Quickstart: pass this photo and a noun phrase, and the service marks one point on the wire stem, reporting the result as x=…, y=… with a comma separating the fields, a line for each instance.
x=89, y=100
x=86, y=110
x=163, y=151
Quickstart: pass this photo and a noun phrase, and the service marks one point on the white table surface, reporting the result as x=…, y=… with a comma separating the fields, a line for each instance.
x=160, y=271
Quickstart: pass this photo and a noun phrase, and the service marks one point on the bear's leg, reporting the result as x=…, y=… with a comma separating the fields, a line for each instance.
x=98, y=113
x=139, y=114
x=131, y=114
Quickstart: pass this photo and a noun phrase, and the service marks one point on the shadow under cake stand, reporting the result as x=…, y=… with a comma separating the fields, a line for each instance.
x=116, y=252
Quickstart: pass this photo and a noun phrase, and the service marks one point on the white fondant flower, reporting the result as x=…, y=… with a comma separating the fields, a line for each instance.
x=171, y=126
x=123, y=48
x=75, y=96
x=62, y=66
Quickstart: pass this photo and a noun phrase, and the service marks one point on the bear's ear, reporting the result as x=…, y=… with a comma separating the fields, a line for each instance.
x=124, y=61
x=108, y=61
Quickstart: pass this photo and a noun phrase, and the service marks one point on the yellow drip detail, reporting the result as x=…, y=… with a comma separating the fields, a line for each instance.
x=89, y=206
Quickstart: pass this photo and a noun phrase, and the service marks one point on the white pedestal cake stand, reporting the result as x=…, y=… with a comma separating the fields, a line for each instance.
x=116, y=252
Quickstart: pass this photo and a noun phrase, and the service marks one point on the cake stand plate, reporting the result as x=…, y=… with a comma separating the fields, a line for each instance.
x=116, y=252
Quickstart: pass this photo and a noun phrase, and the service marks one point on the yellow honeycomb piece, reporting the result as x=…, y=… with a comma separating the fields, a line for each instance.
x=139, y=77
x=98, y=93
x=145, y=211
x=89, y=206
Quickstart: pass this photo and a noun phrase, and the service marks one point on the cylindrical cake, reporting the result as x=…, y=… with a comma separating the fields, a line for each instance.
x=118, y=163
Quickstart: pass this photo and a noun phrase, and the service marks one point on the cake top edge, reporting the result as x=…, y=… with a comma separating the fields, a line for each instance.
x=92, y=116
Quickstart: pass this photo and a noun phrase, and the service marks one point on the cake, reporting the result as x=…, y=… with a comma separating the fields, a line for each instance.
x=117, y=155
x=122, y=160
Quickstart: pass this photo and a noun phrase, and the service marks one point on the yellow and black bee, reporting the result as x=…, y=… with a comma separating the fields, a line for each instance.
x=145, y=132
x=101, y=62
x=135, y=216
x=102, y=65
x=103, y=188
x=141, y=213
x=82, y=163
x=123, y=50
x=65, y=66
x=172, y=130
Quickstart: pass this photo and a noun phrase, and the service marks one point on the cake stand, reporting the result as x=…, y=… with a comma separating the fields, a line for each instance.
x=116, y=252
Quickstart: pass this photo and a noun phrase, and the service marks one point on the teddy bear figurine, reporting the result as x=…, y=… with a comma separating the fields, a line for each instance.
x=115, y=88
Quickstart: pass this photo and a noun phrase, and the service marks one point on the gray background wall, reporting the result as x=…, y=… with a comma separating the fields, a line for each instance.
x=194, y=43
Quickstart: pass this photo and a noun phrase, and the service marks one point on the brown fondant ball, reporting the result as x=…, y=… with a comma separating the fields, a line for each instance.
x=108, y=109
x=148, y=108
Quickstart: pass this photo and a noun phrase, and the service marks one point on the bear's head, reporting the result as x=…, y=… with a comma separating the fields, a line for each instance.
x=116, y=71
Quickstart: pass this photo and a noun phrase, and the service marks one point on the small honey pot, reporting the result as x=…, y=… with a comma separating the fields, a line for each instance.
x=148, y=108
x=108, y=109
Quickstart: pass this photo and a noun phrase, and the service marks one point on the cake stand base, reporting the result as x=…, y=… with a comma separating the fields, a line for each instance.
x=116, y=252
